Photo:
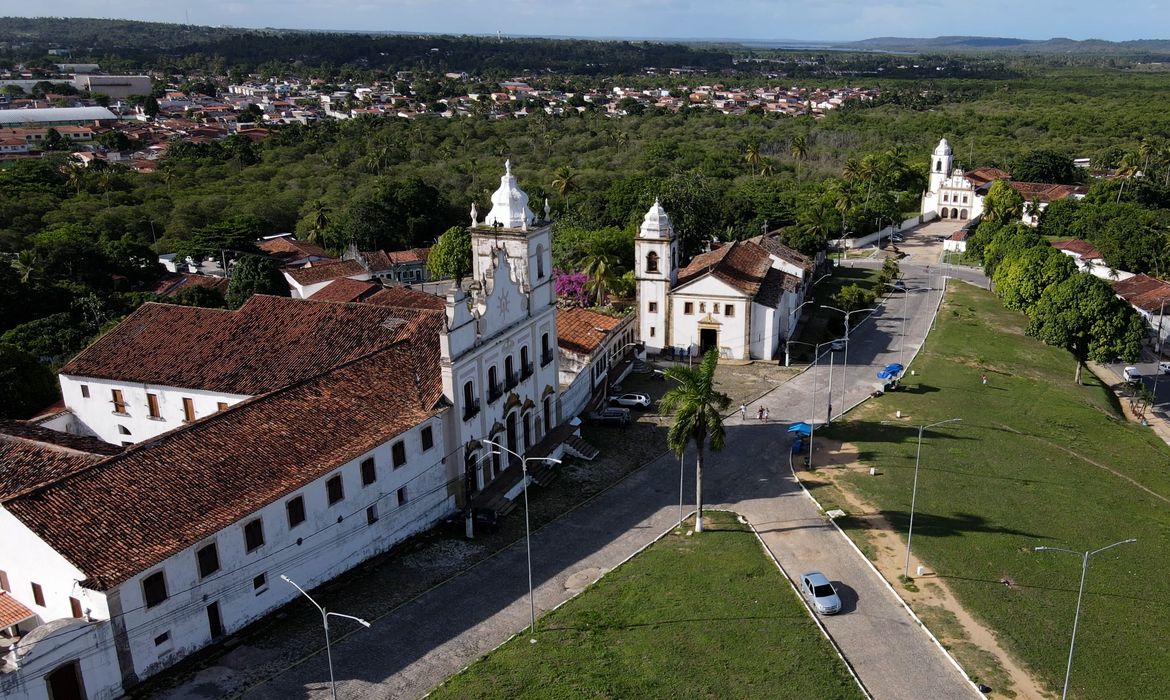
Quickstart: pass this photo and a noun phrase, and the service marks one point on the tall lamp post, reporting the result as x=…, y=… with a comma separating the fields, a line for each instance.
x=914, y=489
x=325, y=621
x=681, y=473
x=1084, y=569
x=905, y=301
x=788, y=335
x=845, y=369
x=527, y=529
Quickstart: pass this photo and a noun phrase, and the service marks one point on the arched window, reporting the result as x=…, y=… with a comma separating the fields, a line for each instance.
x=652, y=262
x=963, y=215
x=937, y=166
x=509, y=374
x=954, y=213
x=945, y=212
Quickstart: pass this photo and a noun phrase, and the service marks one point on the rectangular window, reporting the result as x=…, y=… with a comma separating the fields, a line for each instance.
x=39, y=595
x=220, y=406
x=260, y=583
x=651, y=331
x=154, y=589
x=162, y=639
x=728, y=310
x=4, y=585
x=75, y=607
x=119, y=402
x=208, y=558
x=372, y=514
x=428, y=438
x=296, y=511
x=653, y=307
x=689, y=307
x=398, y=451
x=715, y=308
x=964, y=199
x=334, y=489
x=254, y=535
x=152, y=405
x=188, y=410
x=85, y=391
x=369, y=473
x=402, y=496
x=702, y=307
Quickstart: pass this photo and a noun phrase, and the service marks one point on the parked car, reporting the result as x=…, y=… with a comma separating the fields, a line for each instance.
x=631, y=400
x=1164, y=367
x=838, y=344
x=1132, y=375
x=820, y=593
x=611, y=416
x=897, y=238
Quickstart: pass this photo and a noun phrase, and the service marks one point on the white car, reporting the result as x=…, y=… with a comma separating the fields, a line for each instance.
x=1164, y=367
x=820, y=593
x=631, y=400
x=1131, y=375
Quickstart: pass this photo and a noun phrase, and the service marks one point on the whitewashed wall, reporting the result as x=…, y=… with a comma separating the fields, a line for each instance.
x=97, y=415
x=91, y=644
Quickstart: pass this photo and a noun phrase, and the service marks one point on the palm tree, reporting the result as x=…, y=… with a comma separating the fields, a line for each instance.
x=768, y=169
x=27, y=266
x=752, y=155
x=319, y=213
x=698, y=416
x=799, y=147
x=1126, y=169
x=564, y=181
x=599, y=267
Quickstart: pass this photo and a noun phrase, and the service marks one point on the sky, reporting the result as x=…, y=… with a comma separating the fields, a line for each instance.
x=810, y=20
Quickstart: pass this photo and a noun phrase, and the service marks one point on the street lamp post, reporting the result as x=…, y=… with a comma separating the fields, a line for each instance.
x=527, y=528
x=681, y=472
x=845, y=367
x=325, y=622
x=1084, y=569
x=788, y=335
x=905, y=301
x=914, y=489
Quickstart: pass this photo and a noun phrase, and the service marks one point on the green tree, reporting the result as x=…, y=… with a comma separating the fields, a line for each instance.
x=798, y=147
x=751, y=155
x=852, y=297
x=51, y=339
x=451, y=255
x=1021, y=279
x=26, y=386
x=698, y=416
x=254, y=274
x=564, y=181
x=1044, y=165
x=600, y=269
x=200, y=295
x=1002, y=204
x=1082, y=315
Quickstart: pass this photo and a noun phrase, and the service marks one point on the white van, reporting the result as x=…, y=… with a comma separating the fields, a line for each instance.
x=1132, y=375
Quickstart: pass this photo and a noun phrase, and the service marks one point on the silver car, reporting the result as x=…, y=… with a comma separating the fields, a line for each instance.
x=631, y=401
x=820, y=593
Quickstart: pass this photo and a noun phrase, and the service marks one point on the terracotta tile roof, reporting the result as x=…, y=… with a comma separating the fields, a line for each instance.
x=1086, y=250
x=325, y=271
x=377, y=261
x=741, y=264
x=960, y=235
x=577, y=329
x=285, y=247
x=268, y=343
x=771, y=243
x=346, y=289
x=414, y=255
x=775, y=283
x=405, y=297
x=1144, y=292
x=982, y=176
x=1043, y=192
x=12, y=611
x=161, y=496
x=31, y=455
x=172, y=282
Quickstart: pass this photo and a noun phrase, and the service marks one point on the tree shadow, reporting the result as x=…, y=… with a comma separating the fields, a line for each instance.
x=957, y=525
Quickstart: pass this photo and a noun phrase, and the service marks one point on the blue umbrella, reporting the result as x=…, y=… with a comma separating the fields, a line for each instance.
x=802, y=428
x=895, y=368
x=887, y=374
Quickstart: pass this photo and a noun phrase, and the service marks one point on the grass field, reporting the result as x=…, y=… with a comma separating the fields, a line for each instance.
x=1035, y=461
x=823, y=325
x=706, y=616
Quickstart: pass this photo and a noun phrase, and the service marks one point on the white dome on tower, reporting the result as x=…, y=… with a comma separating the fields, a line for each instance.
x=510, y=203
x=656, y=223
x=943, y=148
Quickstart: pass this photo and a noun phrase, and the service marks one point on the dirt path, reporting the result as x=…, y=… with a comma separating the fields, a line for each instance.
x=972, y=643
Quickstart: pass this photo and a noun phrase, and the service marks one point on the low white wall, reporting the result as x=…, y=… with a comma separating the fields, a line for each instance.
x=850, y=243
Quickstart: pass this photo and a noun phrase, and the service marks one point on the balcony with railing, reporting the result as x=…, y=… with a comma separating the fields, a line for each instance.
x=495, y=391
x=471, y=410
x=545, y=358
x=510, y=381
x=525, y=371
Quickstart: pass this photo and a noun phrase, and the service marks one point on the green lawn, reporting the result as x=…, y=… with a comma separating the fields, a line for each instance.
x=706, y=616
x=821, y=324
x=1036, y=460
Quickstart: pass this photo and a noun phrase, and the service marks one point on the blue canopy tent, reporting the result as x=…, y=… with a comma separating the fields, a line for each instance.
x=802, y=428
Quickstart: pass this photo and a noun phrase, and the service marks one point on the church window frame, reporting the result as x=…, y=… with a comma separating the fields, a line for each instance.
x=652, y=307
x=688, y=308
x=652, y=261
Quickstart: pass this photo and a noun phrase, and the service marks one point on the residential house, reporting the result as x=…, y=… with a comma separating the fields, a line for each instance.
x=1150, y=297
x=595, y=350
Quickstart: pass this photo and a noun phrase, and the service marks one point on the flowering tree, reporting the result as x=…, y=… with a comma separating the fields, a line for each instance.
x=570, y=287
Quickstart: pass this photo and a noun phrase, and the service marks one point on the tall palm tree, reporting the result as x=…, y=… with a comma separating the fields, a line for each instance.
x=564, y=181
x=1126, y=169
x=751, y=154
x=319, y=213
x=799, y=147
x=698, y=416
x=27, y=266
x=599, y=268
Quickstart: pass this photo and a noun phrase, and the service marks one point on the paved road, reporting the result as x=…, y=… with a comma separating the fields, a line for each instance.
x=411, y=650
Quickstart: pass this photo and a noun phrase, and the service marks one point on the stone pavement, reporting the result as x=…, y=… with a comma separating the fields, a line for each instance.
x=416, y=646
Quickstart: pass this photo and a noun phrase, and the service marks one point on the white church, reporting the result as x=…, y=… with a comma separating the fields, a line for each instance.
x=740, y=297
x=210, y=452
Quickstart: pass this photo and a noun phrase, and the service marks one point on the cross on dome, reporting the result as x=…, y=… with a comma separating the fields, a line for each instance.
x=510, y=203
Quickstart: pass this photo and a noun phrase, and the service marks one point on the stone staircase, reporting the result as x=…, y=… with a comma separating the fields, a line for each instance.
x=577, y=447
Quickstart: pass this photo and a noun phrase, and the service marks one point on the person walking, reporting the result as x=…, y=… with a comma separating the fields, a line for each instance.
x=743, y=411
x=984, y=380
x=760, y=413
x=765, y=414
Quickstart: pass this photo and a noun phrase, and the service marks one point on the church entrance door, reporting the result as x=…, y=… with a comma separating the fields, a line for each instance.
x=708, y=338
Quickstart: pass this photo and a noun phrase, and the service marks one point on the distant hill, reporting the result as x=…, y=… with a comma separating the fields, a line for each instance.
x=983, y=44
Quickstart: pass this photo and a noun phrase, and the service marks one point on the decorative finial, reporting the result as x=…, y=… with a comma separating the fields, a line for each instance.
x=546, y=209
x=523, y=222
x=656, y=202
x=474, y=216
x=508, y=167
